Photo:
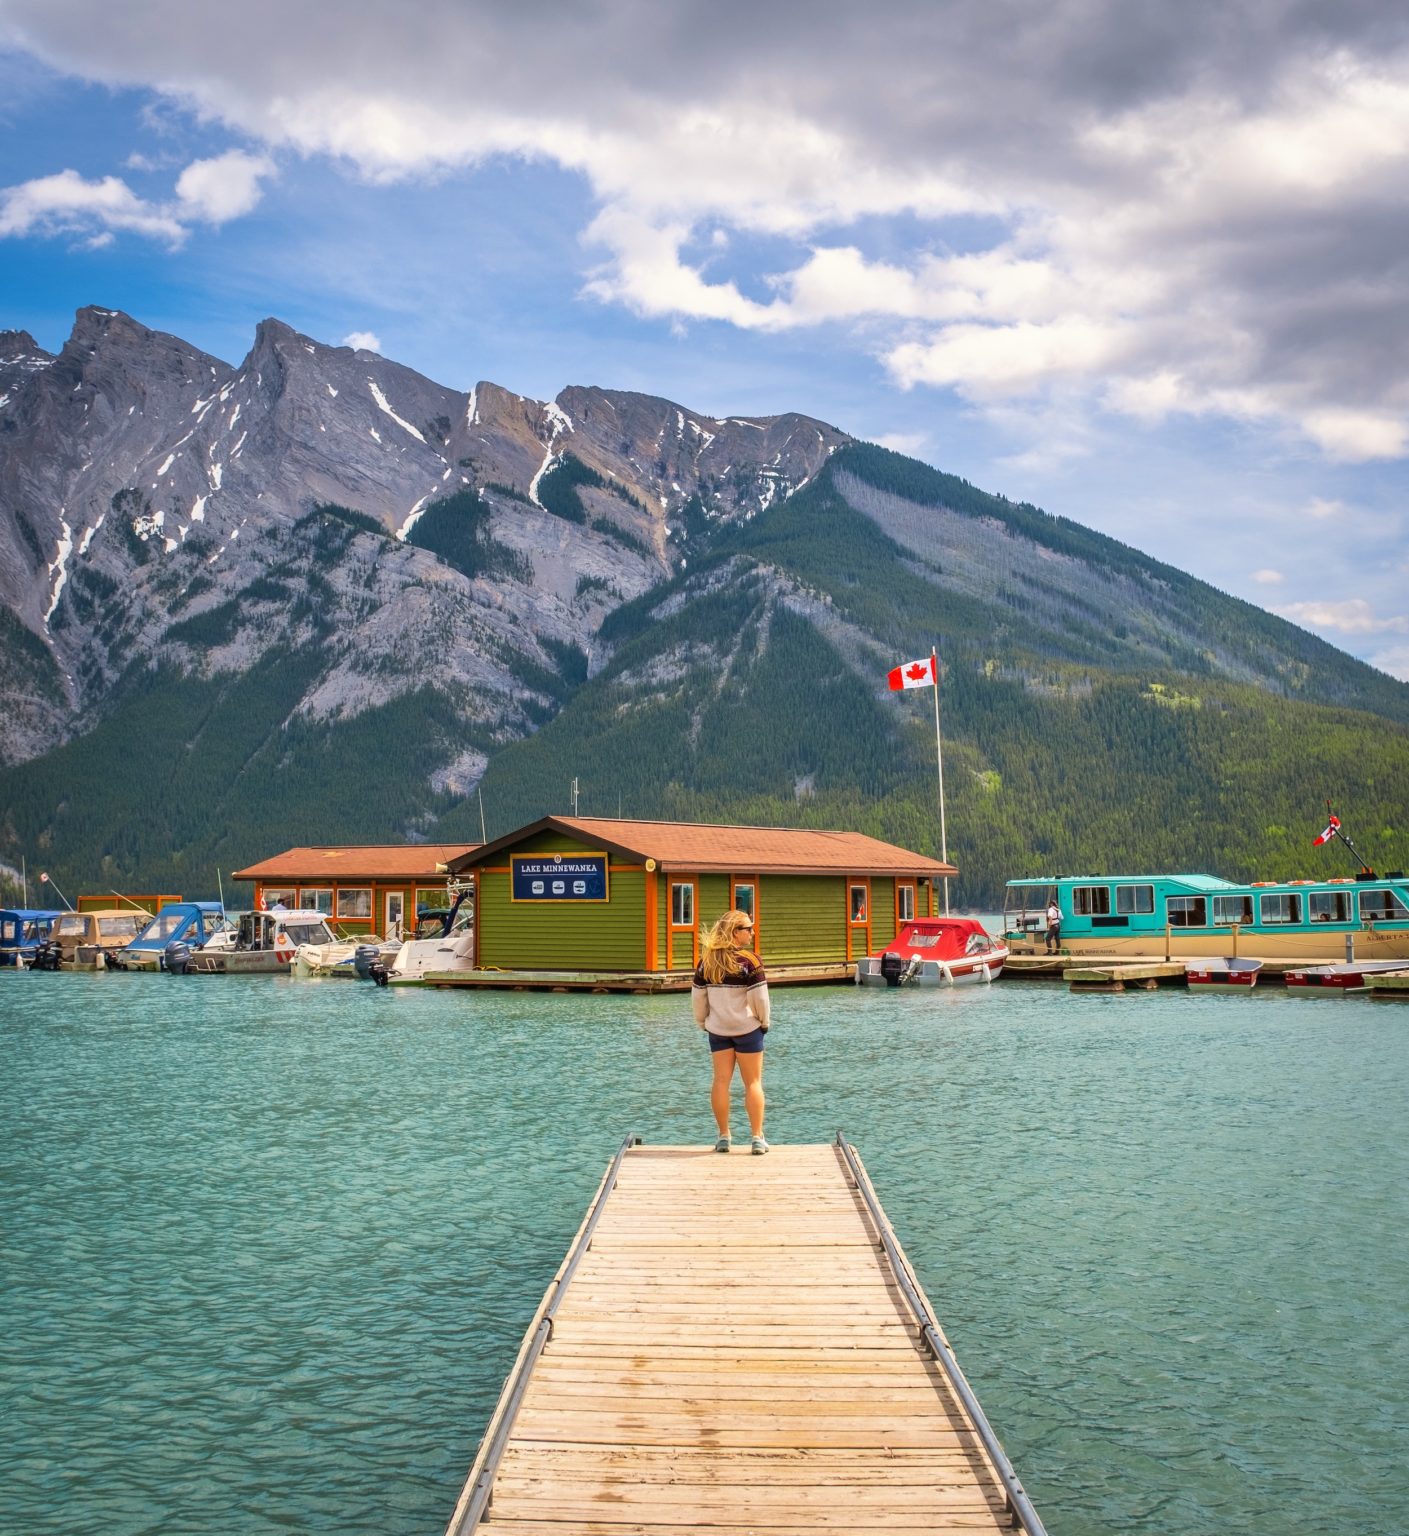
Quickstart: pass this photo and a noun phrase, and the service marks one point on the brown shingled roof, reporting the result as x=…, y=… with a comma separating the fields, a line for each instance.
x=686, y=846
x=385, y=861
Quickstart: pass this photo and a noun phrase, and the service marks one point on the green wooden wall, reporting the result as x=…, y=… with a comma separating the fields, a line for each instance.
x=564, y=936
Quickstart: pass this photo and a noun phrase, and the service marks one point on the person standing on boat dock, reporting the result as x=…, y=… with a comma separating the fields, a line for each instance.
x=730, y=1002
x=1054, y=927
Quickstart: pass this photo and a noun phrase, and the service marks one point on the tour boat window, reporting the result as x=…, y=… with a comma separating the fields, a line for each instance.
x=1328, y=906
x=1228, y=910
x=1134, y=898
x=1186, y=911
x=858, y=903
x=316, y=898
x=1091, y=900
x=1382, y=907
x=905, y=903
x=682, y=905
x=354, y=901
x=1280, y=907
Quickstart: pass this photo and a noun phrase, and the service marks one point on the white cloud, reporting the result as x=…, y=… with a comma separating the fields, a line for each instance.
x=1353, y=616
x=1393, y=659
x=911, y=443
x=1321, y=508
x=208, y=191
x=66, y=204
x=224, y=188
x=363, y=341
x=1268, y=578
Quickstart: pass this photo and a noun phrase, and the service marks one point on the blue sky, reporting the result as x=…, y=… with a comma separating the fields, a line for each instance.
x=1143, y=270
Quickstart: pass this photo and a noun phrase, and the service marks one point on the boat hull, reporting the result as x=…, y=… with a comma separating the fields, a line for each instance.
x=1335, y=980
x=236, y=962
x=1219, y=975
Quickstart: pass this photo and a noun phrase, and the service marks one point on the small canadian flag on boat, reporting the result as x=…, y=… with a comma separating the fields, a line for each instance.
x=914, y=674
x=1332, y=827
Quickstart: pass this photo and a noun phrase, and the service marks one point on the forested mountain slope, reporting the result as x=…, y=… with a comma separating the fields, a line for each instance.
x=318, y=598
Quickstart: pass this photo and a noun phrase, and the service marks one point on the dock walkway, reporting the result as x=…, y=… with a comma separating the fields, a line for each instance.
x=737, y=1343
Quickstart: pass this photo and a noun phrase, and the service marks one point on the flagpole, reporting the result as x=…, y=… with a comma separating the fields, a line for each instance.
x=939, y=760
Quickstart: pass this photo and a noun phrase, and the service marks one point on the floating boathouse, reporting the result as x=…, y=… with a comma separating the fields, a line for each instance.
x=373, y=889
x=594, y=896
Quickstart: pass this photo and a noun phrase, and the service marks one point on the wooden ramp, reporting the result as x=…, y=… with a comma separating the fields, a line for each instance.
x=737, y=1344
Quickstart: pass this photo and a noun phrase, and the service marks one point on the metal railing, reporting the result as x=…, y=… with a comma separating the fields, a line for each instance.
x=1019, y=1505
x=517, y=1385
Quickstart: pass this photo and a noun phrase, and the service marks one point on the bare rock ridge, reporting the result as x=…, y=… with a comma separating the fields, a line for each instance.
x=158, y=505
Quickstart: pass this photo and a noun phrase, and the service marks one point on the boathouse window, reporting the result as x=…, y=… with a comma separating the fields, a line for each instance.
x=682, y=906
x=279, y=896
x=354, y=901
x=1328, y=906
x=316, y=898
x=1382, y=907
x=744, y=899
x=1186, y=911
x=1280, y=907
x=858, y=903
x=1091, y=900
x=904, y=903
x=1228, y=910
x=1134, y=898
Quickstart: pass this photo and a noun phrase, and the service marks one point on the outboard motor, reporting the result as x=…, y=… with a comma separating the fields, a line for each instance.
x=379, y=973
x=364, y=957
x=892, y=967
x=47, y=956
x=176, y=957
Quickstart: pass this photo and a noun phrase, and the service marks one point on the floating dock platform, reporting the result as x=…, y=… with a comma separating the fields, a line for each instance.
x=620, y=981
x=737, y=1344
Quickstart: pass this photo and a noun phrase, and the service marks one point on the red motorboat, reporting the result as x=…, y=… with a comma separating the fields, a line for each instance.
x=935, y=952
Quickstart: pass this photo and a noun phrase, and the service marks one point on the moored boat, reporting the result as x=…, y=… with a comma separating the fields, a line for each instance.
x=82, y=941
x=264, y=944
x=1187, y=916
x=1335, y=980
x=22, y=931
x=935, y=952
x=1219, y=973
x=189, y=925
x=444, y=941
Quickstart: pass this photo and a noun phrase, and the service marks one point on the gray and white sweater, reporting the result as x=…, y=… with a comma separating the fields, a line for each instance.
x=734, y=1006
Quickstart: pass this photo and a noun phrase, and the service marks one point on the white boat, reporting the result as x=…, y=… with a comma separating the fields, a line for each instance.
x=348, y=960
x=264, y=943
x=452, y=948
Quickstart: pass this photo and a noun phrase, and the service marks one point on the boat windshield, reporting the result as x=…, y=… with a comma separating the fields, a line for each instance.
x=309, y=933
x=72, y=925
x=165, y=925
x=121, y=925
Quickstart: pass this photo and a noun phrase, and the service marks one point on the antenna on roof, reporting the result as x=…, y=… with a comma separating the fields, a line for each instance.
x=574, y=797
x=483, y=835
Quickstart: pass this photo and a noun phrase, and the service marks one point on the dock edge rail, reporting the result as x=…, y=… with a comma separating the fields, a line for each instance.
x=479, y=1487
x=1019, y=1505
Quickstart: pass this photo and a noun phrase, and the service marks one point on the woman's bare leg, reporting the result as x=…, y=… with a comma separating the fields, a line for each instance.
x=751, y=1071
x=719, y=1091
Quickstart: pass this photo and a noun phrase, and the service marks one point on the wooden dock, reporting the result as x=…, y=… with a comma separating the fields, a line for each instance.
x=619, y=981
x=737, y=1343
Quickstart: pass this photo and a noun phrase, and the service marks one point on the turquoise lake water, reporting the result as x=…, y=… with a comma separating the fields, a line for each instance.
x=267, y=1248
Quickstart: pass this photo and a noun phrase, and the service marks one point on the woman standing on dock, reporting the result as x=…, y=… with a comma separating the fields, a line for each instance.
x=730, y=1000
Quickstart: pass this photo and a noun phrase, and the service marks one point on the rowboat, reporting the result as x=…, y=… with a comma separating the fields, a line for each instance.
x=1220, y=974
x=1333, y=980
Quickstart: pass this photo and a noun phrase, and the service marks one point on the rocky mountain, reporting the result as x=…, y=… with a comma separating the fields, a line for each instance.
x=320, y=597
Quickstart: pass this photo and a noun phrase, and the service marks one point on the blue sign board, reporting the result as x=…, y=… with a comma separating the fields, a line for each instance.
x=558, y=876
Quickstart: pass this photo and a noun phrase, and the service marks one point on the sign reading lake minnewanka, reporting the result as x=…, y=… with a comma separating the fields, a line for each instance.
x=558, y=876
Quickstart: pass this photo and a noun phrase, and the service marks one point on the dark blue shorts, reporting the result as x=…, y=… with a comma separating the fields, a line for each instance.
x=746, y=1045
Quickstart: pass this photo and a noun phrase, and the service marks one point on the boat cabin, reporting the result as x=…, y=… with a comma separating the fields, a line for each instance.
x=182, y=922
x=1205, y=915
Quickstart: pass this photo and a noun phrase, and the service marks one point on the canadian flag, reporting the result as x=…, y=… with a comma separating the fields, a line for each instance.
x=1332, y=827
x=913, y=674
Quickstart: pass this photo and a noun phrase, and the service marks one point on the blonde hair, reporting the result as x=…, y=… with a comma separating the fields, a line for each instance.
x=723, y=953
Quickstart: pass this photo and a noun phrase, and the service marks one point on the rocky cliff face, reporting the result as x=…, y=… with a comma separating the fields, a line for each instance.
x=158, y=506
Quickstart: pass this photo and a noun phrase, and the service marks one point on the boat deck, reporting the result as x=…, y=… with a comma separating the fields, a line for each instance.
x=737, y=1343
